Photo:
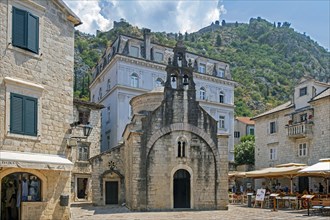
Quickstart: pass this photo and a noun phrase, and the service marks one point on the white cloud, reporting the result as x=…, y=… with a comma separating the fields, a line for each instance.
x=158, y=15
x=89, y=13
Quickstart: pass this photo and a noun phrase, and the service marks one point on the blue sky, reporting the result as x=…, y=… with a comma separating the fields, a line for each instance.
x=310, y=16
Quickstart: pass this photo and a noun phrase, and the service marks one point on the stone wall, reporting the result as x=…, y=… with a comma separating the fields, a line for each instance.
x=51, y=69
x=51, y=73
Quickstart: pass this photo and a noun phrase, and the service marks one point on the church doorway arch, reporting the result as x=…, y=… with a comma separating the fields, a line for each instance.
x=181, y=189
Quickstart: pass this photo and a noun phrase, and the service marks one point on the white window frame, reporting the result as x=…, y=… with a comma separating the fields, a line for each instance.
x=303, y=89
x=25, y=88
x=249, y=130
x=158, y=56
x=35, y=9
x=272, y=130
x=222, y=122
x=221, y=73
x=134, y=80
x=303, y=150
x=202, y=93
x=273, y=154
x=85, y=155
x=202, y=68
x=221, y=97
x=131, y=51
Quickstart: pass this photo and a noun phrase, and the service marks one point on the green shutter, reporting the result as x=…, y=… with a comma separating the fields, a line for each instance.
x=33, y=33
x=19, y=28
x=23, y=115
x=16, y=113
x=30, y=116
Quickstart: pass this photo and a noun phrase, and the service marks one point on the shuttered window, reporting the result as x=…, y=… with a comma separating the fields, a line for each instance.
x=25, y=30
x=23, y=114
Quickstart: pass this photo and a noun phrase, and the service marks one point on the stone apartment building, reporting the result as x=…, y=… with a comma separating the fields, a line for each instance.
x=36, y=105
x=83, y=145
x=297, y=131
x=243, y=126
x=133, y=66
x=172, y=156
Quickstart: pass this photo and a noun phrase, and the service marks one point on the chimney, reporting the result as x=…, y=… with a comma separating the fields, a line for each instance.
x=146, y=37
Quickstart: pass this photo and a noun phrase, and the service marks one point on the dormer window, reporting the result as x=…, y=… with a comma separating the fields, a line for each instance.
x=221, y=73
x=134, y=51
x=202, y=68
x=158, y=57
x=303, y=91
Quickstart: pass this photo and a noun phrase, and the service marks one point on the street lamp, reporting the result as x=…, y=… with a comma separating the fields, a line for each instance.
x=87, y=128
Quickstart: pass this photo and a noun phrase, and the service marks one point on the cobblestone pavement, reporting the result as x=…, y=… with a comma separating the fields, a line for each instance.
x=89, y=212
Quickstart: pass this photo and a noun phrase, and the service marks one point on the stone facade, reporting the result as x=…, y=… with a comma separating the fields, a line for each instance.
x=171, y=151
x=46, y=76
x=133, y=66
x=295, y=132
x=82, y=148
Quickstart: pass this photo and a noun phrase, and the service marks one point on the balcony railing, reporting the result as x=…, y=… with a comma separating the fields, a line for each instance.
x=300, y=130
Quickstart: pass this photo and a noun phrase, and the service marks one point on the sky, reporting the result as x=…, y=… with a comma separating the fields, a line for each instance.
x=309, y=16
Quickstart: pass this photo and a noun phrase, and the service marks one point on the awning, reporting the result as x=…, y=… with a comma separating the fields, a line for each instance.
x=35, y=161
x=275, y=172
x=322, y=168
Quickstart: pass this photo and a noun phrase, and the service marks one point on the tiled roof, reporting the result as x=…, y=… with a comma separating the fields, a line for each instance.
x=245, y=120
x=284, y=106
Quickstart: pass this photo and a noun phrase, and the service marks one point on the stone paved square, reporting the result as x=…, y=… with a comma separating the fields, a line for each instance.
x=239, y=212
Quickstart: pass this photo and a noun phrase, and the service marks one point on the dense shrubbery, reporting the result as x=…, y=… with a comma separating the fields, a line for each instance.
x=265, y=60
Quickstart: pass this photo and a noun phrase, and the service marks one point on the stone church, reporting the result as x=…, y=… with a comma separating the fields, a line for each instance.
x=171, y=156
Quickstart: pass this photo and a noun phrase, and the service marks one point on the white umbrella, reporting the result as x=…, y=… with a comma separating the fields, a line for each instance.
x=322, y=168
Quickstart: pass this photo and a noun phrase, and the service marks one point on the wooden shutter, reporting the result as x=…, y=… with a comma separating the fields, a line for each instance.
x=19, y=28
x=30, y=115
x=33, y=33
x=16, y=113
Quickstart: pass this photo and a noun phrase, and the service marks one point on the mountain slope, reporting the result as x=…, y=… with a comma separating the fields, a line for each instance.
x=265, y=59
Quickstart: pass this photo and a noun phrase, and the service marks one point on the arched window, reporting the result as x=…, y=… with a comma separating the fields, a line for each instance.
x=100, y=94
x=182, y=144
x=202, y=93
x=159, y=82
x=134, y=80
x=221, y=97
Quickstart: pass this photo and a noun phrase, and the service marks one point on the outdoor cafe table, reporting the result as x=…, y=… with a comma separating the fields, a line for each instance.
x=287, y=201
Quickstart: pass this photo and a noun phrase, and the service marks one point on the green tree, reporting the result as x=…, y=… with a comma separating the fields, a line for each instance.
x=218, y=41
x=244, y=152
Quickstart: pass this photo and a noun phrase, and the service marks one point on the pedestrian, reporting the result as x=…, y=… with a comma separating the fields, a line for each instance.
x=321, y=188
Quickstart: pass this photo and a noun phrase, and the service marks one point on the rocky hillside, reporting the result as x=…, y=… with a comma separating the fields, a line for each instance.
x=266, y=59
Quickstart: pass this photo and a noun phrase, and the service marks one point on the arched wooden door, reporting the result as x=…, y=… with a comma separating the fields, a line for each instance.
x=181, y=189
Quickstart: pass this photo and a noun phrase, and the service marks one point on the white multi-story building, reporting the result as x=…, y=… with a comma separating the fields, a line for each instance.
x=133, y=66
